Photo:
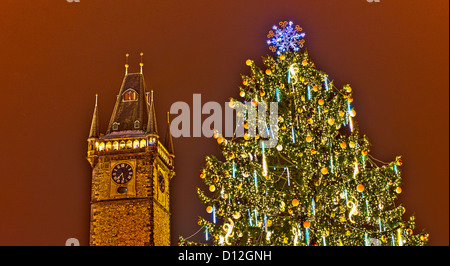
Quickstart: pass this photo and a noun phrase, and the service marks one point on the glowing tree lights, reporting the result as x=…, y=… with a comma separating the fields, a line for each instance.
x=319, y=185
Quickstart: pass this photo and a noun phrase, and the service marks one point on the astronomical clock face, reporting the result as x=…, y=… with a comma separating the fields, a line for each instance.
x=122, y=173
x=161, y=181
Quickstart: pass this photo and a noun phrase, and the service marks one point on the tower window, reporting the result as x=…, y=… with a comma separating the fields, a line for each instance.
x=122, y=144
x=115, y=145
x=136, y=144
x=143, y=143
x=130, y=95
x=115, y=126
x=129, y=144
x=137, y=124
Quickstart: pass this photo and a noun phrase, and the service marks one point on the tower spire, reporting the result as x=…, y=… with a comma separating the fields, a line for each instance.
x=168, y=143
x=126, y=64
x=152, y=127
x=141, y=64
x=95, y=131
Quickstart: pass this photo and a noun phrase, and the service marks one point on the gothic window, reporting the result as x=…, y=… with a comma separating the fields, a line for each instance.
x=122, y=144
x=115, y=126
x=137, y=124
x=108, y=146
x=101, y=147
x=130, y=95
x=136, y=144
x=115, y=145
x=129, y=144
x=143, y=142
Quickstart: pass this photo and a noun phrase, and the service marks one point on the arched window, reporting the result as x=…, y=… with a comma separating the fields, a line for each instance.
x=130, y=95
x=122, y=144
x=108, y=146
x=143, y=143
x=136, y=144
x=129, y=144
x=101, y=147
x=137, y=124
x=115, y=145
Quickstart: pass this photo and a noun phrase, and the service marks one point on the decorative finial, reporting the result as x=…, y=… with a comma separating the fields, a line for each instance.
x=126, y=64
x=141, y=63
x=285, y=37
x=151, y=95
x=96, y=97
x=168, y=117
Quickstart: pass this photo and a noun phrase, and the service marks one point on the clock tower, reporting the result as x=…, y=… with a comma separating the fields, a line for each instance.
x=131, y=171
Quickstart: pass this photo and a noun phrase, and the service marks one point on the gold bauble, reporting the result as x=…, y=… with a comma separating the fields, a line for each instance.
x=209, y=209
x=248, y=62
x=295, y=202
x=306, y=224
x=360, y=188
x=212, y=188
x=268, y=72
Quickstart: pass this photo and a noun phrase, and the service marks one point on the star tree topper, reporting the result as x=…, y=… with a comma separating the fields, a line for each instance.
x=285, y=37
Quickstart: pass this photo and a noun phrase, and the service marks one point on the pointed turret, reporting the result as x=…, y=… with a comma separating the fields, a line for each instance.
x=152, y=127
x=95, y=130
x=168, y=143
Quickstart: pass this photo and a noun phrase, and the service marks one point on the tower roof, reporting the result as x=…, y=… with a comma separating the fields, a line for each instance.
x=152, y=127
x=168, y=143
x=131, y=110
x=95, y=130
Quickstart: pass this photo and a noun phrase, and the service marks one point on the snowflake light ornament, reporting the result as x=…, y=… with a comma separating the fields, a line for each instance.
x=285, y=37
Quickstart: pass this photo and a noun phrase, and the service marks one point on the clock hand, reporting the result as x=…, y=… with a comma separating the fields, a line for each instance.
x=120, y=177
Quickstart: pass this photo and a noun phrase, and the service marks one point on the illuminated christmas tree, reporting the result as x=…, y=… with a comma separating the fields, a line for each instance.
x=318, y=185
